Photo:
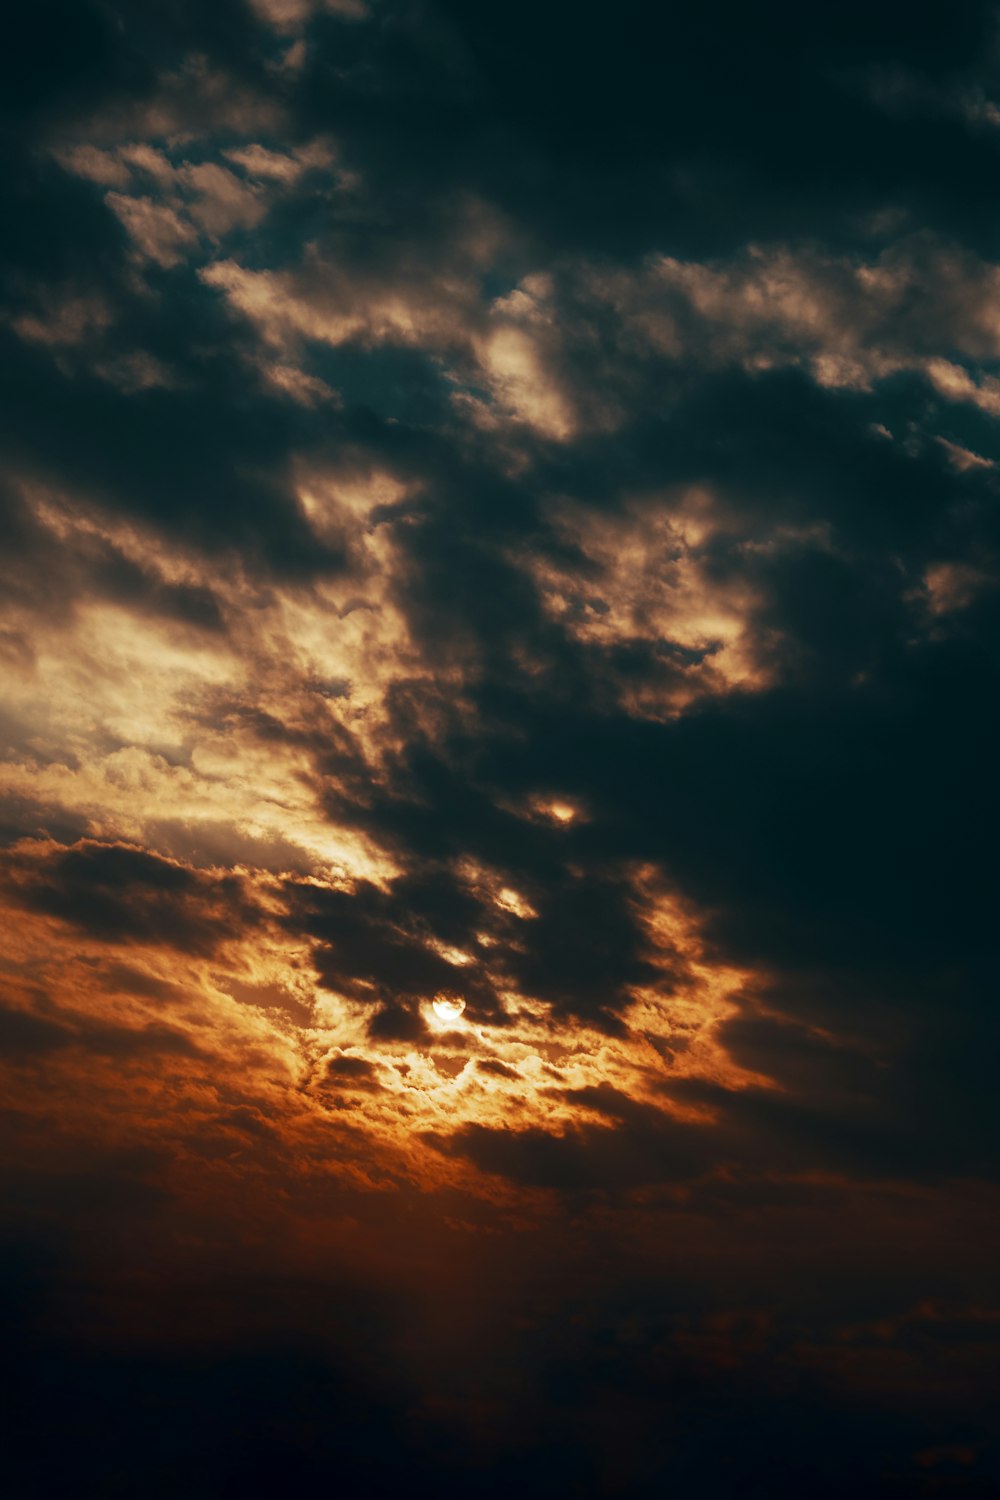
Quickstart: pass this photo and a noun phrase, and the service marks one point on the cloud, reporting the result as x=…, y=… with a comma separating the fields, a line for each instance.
x=291, y=15
x=493, y=512
x=121, y=894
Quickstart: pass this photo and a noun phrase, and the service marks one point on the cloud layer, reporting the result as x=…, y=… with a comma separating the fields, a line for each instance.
x=499, y=508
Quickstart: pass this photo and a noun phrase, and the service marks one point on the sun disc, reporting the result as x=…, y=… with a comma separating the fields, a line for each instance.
x=448, y=1007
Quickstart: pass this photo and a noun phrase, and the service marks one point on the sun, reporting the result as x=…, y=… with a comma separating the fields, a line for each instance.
x=448, y=1007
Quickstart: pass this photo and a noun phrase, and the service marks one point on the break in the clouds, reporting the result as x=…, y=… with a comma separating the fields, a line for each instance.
x=500, y=561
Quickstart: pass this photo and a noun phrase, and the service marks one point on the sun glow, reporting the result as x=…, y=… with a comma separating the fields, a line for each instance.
x=448, y=1007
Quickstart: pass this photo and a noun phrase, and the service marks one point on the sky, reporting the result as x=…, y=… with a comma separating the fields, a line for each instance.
x=499, y=625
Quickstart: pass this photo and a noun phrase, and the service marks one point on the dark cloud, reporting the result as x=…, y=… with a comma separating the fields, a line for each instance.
x=351, y=1072
x=120, y=976
x=638, y=1145
x=362, y=945
x=682, y=129
x=119, y=894
x=23, y=1034
x=493, y=1066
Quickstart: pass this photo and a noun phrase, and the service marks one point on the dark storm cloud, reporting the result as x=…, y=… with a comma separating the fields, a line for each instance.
x=384, y=947
x=119, y=976
x=49, y=581
x=117, y=894
x=173, y=459
x=129, y=584
x=689, y=129
x=646, y=1147
x=836, y=1109
x=351, y=1072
